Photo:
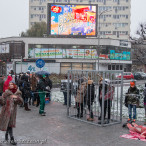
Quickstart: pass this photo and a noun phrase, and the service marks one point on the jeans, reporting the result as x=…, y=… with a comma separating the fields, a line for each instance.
x=130, y=106
x=65, y=98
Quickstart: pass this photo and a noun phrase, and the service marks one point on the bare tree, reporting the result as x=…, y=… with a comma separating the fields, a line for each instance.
x=139, y=44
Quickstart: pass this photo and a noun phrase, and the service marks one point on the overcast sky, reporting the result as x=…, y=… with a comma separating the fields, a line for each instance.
x=14, y=16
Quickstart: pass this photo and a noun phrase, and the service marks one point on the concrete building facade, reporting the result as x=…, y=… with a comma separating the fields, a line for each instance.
x=62, y=54
x=113, y=15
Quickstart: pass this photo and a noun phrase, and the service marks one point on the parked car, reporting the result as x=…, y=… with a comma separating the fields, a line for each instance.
x=126, y=75
x=139, y=75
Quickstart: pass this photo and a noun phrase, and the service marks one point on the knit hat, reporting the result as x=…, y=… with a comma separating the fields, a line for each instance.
x=132, y=83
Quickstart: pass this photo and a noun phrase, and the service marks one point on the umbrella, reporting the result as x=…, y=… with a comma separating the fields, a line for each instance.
x=42, y=72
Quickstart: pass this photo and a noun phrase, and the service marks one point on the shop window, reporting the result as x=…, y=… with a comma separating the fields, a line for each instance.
x=117, y=67
x=109, y=67
x=65, y=67
x=121, y=67
x=113, y=67
x=88, y=66
x=76, y=66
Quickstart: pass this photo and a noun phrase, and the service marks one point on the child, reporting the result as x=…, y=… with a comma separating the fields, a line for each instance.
x=132, y=100
x=144, y=93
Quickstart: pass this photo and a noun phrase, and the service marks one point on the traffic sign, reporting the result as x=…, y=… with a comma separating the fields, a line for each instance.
x=40, y=63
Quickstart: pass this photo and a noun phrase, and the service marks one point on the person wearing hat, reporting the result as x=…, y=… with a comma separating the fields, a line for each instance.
x=9, y=100
x=81, y=93
x=144, y=93
x=132, y=100
x=90, y=99
x=108, y=97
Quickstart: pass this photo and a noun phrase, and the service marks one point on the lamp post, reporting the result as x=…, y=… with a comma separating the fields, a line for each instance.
x=98, y=50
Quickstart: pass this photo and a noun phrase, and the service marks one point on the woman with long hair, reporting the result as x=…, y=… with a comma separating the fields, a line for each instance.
x=9, y=100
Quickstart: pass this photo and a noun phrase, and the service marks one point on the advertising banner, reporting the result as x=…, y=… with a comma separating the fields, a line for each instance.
x=72, y=19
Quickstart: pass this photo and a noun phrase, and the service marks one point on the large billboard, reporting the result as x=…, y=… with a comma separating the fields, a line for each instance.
x=72, y=20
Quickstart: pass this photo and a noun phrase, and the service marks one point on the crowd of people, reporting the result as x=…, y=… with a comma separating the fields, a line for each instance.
x=23, y=90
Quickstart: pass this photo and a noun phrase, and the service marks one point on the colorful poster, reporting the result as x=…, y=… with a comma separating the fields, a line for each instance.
x=51, y=53
x=31, y=53
x=37, y=53
x=81, y=53
x=112, y=54
x=73, y=20
x=128, y=55
x=94, y=54
x=59, y=53
x=44, y=53
x=88, y=53
x=124, y=55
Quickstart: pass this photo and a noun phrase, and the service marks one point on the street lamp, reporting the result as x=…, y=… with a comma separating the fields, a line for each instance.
x=99, y=33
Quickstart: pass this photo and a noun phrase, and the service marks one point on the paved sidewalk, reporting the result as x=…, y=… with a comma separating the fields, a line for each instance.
x=56, y=129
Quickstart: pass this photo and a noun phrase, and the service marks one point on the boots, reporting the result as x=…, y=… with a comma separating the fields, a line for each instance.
x=26, y=107
x=12, y=141
x=6, y=137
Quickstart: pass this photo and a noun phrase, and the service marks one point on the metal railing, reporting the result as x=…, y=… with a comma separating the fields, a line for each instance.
x=96, y=96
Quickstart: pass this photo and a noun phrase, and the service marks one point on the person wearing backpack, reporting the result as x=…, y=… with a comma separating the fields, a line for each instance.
x=144, y=93
x=26, y=90
x=90, y=99
x=48, y=84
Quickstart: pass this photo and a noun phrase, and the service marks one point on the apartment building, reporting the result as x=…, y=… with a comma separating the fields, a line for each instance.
x=113, y=15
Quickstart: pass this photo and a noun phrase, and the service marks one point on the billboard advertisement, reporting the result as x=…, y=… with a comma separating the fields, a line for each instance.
x=119, y=56
x=72, y=20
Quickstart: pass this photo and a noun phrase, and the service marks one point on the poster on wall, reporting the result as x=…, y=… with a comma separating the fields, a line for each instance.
x=44, y=53
x=81, y=53
x=31, y=53
x=88, y=53
x=9, y=67
x=75, y=20
x=112, y=54
x=51, y=53
x=59, y=53
x=37, y=53
x=94, y=54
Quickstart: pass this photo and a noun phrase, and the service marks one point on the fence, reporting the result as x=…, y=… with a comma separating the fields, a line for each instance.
x=96, y=95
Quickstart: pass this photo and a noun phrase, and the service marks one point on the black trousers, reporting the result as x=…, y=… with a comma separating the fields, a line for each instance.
x=79, y=108
x=90, y=109
x=10, y=131
x=107, y=108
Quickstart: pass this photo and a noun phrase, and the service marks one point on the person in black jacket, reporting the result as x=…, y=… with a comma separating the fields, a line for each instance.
x=90, y=98
x=132, y=100
x=48, y=83
x=26, y=91
x=41, y=89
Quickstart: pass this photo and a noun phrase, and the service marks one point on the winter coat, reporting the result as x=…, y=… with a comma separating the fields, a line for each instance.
x=133, y=99
x=33, y=83
x=81, y=92
x=6, y=83
x=9, y=109
x=144, y=93
x=48, y=82
x=1, y=85
x=109, y=93
x=41, y=88
x=90, y=94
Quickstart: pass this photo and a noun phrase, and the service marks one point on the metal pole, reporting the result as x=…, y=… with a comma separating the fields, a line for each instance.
x=98, y=51
x=21, y=64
